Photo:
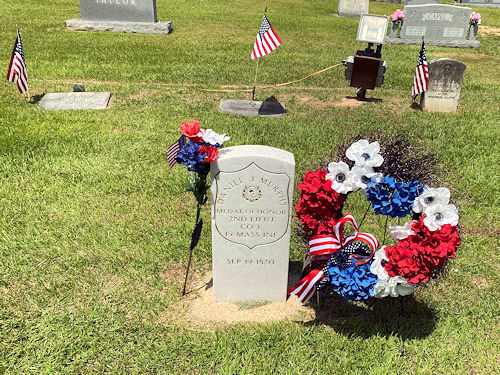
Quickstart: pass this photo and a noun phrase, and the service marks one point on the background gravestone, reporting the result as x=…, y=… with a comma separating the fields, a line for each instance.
x=445, y=83
x=441, y=25
x=420, y=2
x=353, y=8
x=482, y=3
x=252, y=200
x=135, y=16
x=75, y=100
x=388, y=1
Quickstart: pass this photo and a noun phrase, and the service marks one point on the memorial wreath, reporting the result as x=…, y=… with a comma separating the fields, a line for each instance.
x=352, y=264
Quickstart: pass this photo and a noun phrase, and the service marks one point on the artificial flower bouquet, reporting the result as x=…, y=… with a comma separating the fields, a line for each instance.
x=196, y=149
x=398, y=16
x=475, y=18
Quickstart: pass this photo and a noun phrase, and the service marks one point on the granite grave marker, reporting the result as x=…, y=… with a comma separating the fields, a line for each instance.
x=442, y=25
x=420, y=2
x=134, y=16
x=445, y=83
x=74, y=100
x=252, y=205
x=353, y=8
x=482, y=3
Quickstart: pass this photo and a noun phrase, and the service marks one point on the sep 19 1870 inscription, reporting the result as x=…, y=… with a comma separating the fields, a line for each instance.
x=251, y=212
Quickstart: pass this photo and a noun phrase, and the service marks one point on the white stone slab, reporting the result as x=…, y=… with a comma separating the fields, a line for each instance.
x=75, y=100
x=252, y=200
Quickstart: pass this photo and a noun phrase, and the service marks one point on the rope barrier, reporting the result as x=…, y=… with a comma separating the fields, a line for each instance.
x=276, y=85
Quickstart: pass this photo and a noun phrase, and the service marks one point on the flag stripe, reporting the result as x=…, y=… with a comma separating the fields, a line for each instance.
x=421, y=78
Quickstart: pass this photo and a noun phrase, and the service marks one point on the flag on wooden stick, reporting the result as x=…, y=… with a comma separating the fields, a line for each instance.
x=266, y=41
x=421, y=79
x=17, y=72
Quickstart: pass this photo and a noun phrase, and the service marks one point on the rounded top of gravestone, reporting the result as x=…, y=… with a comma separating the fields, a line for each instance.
x=252, y=151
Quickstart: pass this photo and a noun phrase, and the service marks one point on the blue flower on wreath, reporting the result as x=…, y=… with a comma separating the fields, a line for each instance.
x=353, y=283
x=190, y=156
x=393, y=198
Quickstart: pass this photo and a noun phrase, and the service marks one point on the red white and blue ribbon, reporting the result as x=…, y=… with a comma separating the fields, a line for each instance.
x=322, y=246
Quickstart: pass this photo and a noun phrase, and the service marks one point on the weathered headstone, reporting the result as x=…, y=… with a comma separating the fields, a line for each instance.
x=134, y=16
x=75, y=100
x=445, y=83
x=482, y=3
x=388, y=1
x=420, y=2
x=441, y=25
x=251, y=190
x=353, y=8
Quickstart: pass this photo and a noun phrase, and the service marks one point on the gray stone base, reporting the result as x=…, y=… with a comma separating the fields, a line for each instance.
x=252, y=108
x=75, y=100
x=349, y=14
x=160, y=27
x=440, y=43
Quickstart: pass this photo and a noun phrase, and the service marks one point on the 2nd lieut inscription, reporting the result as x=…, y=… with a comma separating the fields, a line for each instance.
x=251, y=206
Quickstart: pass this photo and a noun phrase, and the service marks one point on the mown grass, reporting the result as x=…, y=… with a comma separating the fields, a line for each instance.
x=93, y=224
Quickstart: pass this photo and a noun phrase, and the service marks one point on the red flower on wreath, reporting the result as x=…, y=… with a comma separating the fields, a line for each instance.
x=417, y=257
x=319, y=205
x=191, y=129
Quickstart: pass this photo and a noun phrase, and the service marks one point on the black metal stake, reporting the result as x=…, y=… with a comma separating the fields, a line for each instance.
x=192, y=246
x=364, y=216
x=402, y=332
x=385, y=228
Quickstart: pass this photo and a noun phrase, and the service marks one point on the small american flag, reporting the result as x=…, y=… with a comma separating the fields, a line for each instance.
x=174, y=149
x=17, y=72
x=266, y=41
x=421, y=80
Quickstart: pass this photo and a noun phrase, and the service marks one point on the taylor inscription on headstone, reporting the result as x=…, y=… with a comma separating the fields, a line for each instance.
x=131, y=16
x=445, y=83
x=353, y=8
x=118, y=10
x=251, y=190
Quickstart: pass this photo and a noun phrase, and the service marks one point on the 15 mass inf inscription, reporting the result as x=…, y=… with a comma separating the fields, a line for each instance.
x=252, y=206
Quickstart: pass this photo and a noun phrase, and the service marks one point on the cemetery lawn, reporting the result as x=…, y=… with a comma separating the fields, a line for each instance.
x=94, y=226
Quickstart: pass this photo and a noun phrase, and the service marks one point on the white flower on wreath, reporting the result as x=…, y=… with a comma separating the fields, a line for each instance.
x=213, y=138
x=430, y=197
x=399, y=233
x=341, y=177
x=387, y=285
x=362, y=175
x=438, y=215
x=363, y=152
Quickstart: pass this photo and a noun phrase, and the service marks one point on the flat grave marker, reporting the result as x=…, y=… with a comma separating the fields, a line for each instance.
x=75, y=100
x=252, y=203
x=252, y=108
x=445, y=83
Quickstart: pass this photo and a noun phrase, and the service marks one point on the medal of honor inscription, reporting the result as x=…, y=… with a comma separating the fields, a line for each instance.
x=252, y=190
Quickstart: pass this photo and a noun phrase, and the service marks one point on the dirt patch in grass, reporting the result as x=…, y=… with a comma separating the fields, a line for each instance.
x=348, y=102
x=480, y=282
x=198, y=309
x=489, y=30
x=462, y=55
x=142, y=94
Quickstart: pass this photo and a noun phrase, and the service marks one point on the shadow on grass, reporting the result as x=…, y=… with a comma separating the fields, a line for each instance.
x=36, y=98
x=373, y=317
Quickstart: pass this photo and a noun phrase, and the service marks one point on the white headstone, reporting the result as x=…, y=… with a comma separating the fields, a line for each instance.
x=252, y=189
